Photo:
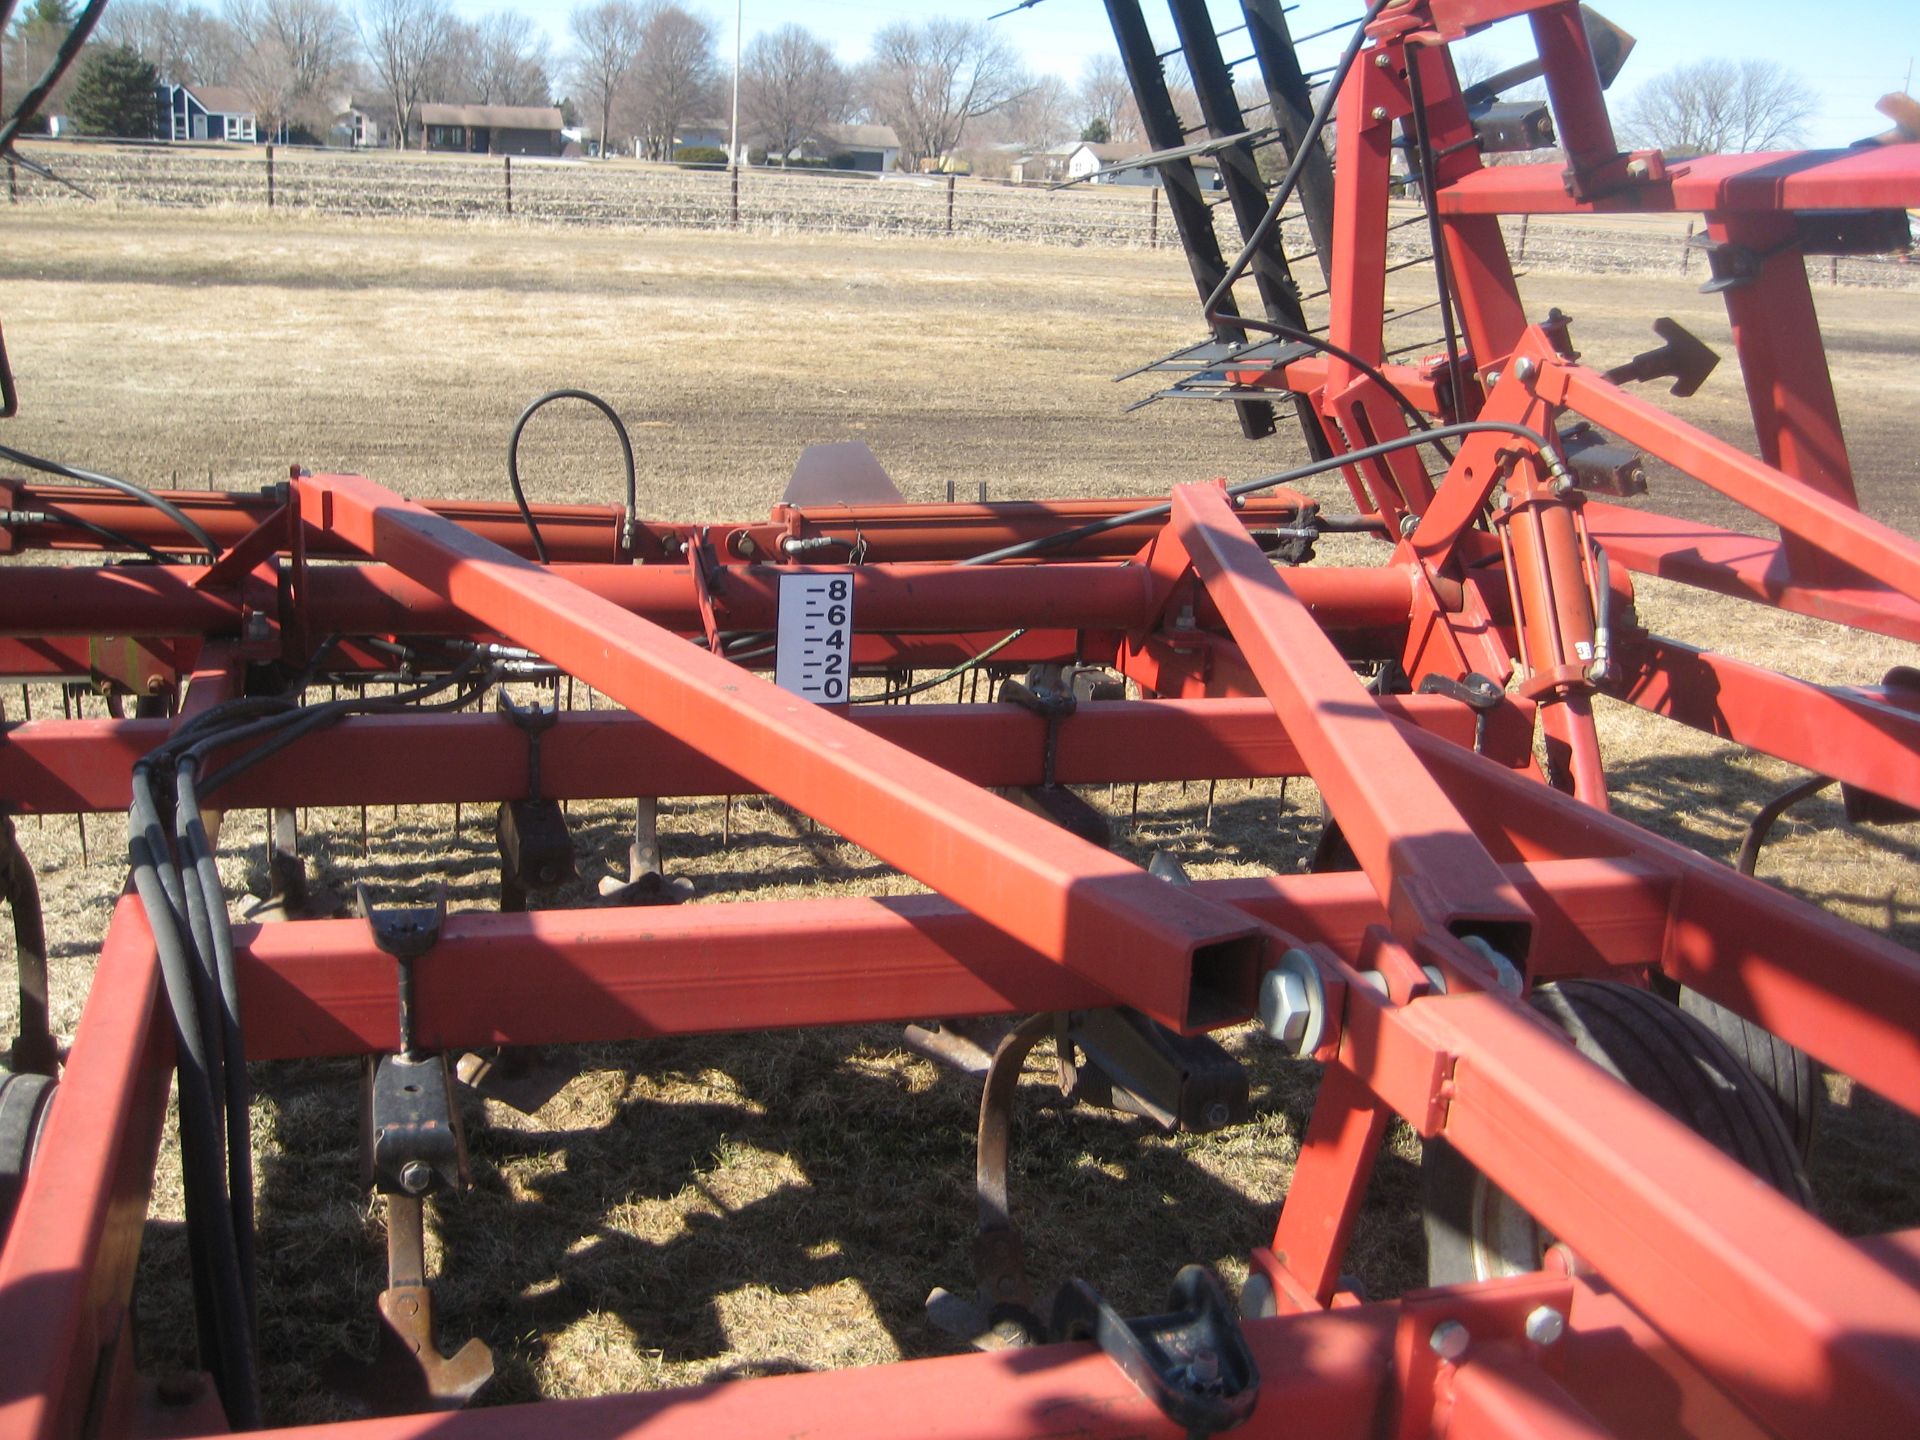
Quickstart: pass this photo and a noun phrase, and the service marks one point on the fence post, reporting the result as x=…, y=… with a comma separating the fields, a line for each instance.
x=1153, y=221
x=270, y=177
x=508, y=168
x=734, y=171
x=1686, y=249
x=13, y=187
x=950, y=180
x=1833, y=269
x=1520, y=255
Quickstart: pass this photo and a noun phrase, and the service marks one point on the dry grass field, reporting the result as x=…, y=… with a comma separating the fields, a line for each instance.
x=705, y=1208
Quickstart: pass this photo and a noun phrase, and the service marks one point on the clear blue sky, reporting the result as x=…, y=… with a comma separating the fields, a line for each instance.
x=1849, y=51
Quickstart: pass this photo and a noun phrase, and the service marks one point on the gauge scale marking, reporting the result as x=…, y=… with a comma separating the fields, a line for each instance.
x=815, y=658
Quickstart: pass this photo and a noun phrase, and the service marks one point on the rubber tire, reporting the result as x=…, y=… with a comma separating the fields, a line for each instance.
x=1786, y=1072
x=1666, y=1054
x=24, y=1101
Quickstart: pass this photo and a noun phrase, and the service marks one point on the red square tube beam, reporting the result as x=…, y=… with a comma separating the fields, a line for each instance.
x=1848, y=997
x=1183, y=960
x=1852, y=734
x=321, y=987
x=1795, y=506
x=60, y=766
x=1428, y=868
x=1745, y=567
x=67, y=1270
x=1813, y=1334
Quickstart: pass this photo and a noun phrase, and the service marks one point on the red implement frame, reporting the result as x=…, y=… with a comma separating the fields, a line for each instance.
x=1688, y=1298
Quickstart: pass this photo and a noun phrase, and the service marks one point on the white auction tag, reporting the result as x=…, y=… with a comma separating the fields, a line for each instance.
x=815, y=656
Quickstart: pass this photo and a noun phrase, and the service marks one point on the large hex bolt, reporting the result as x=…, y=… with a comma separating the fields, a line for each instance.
x=1293, y=1004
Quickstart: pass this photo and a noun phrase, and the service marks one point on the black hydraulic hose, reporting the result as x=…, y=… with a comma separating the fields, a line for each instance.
x=626, y=455
x=202, y=1171
x=204, y=875
x=1442, y=270
x=1300, y=472
x=166, y=507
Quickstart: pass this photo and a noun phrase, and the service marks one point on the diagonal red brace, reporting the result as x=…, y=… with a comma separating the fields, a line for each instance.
x=1429, y=869
x=1186, y=961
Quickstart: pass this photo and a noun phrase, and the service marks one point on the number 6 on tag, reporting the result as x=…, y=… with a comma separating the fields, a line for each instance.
x=815, y=656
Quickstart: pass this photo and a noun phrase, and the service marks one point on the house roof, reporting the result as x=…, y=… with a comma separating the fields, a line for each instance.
x=220, y=99
x=1108, y=153
x=494, y=117
x=861, y=137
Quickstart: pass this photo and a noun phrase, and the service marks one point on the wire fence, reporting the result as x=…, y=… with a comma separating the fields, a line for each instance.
x=629, y=194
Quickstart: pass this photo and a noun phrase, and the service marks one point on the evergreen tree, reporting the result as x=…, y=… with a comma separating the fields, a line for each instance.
x=114, y=94
x=53, y=17
x=1097, y=131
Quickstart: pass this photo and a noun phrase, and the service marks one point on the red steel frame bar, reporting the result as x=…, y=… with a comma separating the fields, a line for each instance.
x=63, y=766
x=1180, y=960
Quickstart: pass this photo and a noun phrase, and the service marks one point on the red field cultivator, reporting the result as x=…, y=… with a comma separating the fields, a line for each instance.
x=1602, y=1037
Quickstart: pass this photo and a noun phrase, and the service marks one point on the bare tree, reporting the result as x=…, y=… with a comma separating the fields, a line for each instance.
x=288, y=56
x=186, y=44
x=674, y=77
x=1104, y=95
x=928, y=80
x=1716, y=105
x=404, y=41
x=1043, y=116
x=514, y=67
x=501, y=60
x=606, y=47
x=791, y=88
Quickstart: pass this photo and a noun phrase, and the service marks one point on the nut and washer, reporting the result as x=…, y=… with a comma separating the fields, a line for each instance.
x=416, y=1177
x=1526, y=367
x=1545, y=1325
x=1293, y=1004
x=1449, y=1340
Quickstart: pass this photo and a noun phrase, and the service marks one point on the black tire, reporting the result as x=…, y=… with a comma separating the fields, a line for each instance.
x=24, y=1099
x=1784, y=1071
x=1476, y=1232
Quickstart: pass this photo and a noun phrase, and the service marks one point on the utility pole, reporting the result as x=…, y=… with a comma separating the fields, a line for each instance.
x=733, y=133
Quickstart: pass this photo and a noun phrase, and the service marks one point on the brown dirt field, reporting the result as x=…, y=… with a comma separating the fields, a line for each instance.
x=702, y=1208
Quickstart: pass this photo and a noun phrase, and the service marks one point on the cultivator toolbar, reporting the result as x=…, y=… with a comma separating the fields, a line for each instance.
x=1601, y=1036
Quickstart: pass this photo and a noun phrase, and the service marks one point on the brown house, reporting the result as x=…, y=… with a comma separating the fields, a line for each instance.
x=492, y=129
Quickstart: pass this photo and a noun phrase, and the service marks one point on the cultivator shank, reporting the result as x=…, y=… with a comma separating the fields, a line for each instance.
x=1457, y=957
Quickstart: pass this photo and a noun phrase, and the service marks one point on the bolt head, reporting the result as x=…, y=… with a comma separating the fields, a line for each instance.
x=1218, y=1114
x=1383, y=61
x=1379, y=112
x=1285, y=1009
x=1638, y=169
x=415, y=1177
x=1526, y=367
x=1409, y=523
x=1436, y=977
x=1493, y=378
x=1374, y=981
x=1449, y=1340
x=1545, y=1325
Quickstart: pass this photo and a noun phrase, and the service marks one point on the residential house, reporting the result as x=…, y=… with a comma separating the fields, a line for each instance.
x=361, y=123
x=1104, y=164
x=872, y=148
x=492, y=129
x=701, y=135
x=205, y=112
